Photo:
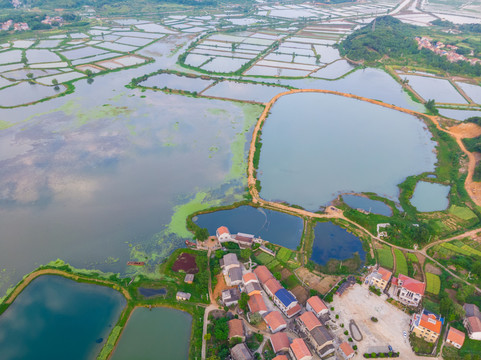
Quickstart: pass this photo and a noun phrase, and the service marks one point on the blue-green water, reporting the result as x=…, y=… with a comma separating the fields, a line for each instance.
x=334, y=242
x=316, y=146
x=362, y=202
x=57, y=318
x=160, y=333
x=430, y=196
x=273, y=226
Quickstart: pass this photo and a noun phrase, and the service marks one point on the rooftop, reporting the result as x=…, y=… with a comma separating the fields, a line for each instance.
x=317, y=304
x=474, y=323
x=385, y=274
x=456, y=336
x=236, y=328
x=235, y=274
x=230, y=259
x=293, y=310
x=299, y=348
x=189, y=278
x=280, y=341
x=263, y=274
x=274, y=319
x=321, y=335
x=252, y=286
x=285, y=297
x=310, y=320
x=273, y=285
x=249, y=277
x=412, y=285
x=241, y=352
x=346, y=348
x=281, y=357
x=429, y=321
x=256, y=303
x=471, y=310
x=223, y=230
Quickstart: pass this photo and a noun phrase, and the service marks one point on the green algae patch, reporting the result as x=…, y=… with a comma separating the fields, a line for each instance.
x=110, y=344
x=5, y=124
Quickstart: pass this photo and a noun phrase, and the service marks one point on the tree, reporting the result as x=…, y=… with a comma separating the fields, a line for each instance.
x=243, y=301
x=221, y=329
x=431, y=106
x=201, y=234
x=88, y=72
x=476, y=269
x=246, y=254
x=255, y=318
x=30, y=76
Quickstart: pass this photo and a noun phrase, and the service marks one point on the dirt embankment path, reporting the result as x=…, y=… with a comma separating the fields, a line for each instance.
x=32, y=276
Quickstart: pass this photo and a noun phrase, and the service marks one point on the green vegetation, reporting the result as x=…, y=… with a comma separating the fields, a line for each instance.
x=462, y=212
x=284, y=254
x=433, y=283
x=386, y=259
x=420, y=346
x=401, y=264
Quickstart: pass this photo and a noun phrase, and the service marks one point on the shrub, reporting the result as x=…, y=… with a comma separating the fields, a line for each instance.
x=346, y=332
x=354, y=347
x=374, y=319
x=350, y=339
x=337, y=316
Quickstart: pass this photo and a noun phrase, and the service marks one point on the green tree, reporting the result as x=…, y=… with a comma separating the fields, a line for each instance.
x=431, y=106
x=243, y=301
x=255, y=318
x=201, y=234
x=246, y=254
x=221, y=329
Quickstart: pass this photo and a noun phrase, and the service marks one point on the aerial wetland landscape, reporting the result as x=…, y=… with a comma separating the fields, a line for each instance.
x=240, y=180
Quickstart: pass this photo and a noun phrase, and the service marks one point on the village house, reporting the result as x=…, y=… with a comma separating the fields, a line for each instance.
x=280, y=342
x=241, y=352
x=182, y=296
x=230, y=296
x=231, y=269
x=275, y=322
x=251, y=284
x=455, y=338
x=189, y=278
x=256, y=304
x=308, y=321
x=427, y=325
x=408, y=291
x=267, y=251
x=317, y=306
x=243, y=240
x=236, y=329
x=272, y=286
x=380, y=278
x=319, y=336
x=299, y=350
x=286, y=302
x=281, y=357
x=472, y=321
x=223, y=234
x=263, y=274
x=346, y=350
x=249, y=277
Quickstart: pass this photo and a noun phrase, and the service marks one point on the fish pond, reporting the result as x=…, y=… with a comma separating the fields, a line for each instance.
x=57, y=318
x=430, y=196
x=160, y=333
x=338, y=145
x=366, y=204
x=273, y=226
x=333, y=242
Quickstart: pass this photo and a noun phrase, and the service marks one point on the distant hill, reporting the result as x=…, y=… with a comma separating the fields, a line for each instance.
x=384, y=36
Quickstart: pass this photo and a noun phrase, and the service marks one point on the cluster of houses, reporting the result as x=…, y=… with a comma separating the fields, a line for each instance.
x=9, y=24
x=49, y=20
x=444, y=50
x=243, y=240
x=264, y=291
x=425, y=324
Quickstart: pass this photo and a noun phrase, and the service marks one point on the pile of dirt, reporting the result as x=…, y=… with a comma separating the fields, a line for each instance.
x=185, y=262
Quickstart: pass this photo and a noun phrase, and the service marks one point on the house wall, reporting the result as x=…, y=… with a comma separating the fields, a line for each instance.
x=379, y=283
x=426, y=334
x=280, y=328
x=471, y=335
x=453, y=344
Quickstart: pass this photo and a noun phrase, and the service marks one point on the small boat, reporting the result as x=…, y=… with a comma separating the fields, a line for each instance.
x=136, y=263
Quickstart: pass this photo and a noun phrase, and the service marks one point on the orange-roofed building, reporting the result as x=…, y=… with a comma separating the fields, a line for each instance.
x=249, y=277
x=427, y=325
x=346, y=350
x=271, y=286
x=263, y=273
x=236, y=329
x=281, y=357
x=308, y=321
x=280, y=342
x=256, y=304
x=317, y=306
x=275, y=322
x=455, y=338
x=408, y=291
x=299, y=350
x=293, y=310
x=380, y=278
x=223, y=234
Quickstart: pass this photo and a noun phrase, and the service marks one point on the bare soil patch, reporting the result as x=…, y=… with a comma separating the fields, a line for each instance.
x=219, y=287
x=466, y=130
x=285, y=273
x=433, y=269
x=301, y=294
x=185, y=262
x=321, y=284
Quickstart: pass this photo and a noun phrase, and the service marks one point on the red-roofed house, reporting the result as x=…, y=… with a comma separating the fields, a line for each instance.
x=308, y=321
x=346, y=350
x=280, y=342
x=249, y=277
x=380, y=278
x=275, y=322
x=271, y=286
x=472, y=321
x=223, y=234
x=317, y=306
x=408, y=291
x=236, y=329
x=263, y=274
x=256, y=304
x=455, y=338
x=281, y=357
x=426, y=325
x=299, y=351
x=293, y=310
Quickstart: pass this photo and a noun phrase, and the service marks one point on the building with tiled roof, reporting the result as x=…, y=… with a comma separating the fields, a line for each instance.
x=380, y=278
x=296, y=309
x=308, y=321
x=299, y=350
x=346, y=350
x=256, y=304
x=249, y=277
x=241, y=352
x=472, y=321
x=230, y=296
x=281, y=357
x=252, y=288
x=234, y=276
x=408, y=291
x=280, y=342
x=263, y=274
x=284, y=300
x=275, y=322
x=317, y=306
x=455, y=337
x=236, y=329
x=271, y=286
x=322, y=340
x=223, y=234
x=427, y=325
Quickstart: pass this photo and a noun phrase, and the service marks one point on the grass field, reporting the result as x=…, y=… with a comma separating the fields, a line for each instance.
x=461, y=212
x=401, y=264
x=385, y=257
x=412, y=257
x=433, y=283
x=264, y=258
x=284, y=254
